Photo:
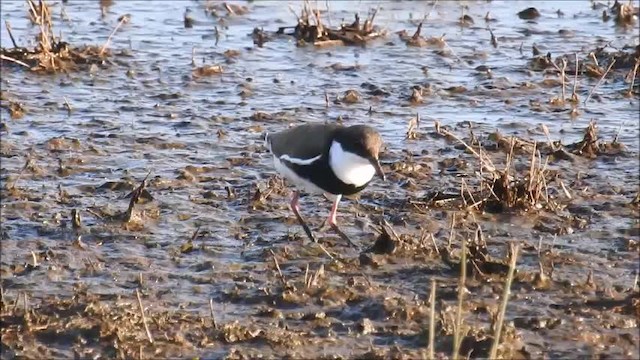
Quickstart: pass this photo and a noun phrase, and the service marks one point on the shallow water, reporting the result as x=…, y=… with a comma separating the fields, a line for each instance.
x=162, y=119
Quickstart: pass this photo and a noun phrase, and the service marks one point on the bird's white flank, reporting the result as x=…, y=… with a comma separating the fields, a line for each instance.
x=298, y=181
x=293, y=160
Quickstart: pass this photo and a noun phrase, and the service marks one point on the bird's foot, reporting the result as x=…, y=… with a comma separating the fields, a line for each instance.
x=343, y=236
x=323, y=227
x=308, y=232
x=314, y=240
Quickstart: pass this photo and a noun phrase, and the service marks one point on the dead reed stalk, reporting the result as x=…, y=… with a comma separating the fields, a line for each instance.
x=599, y=81
x=486, y=162
x=513, y=249
x=451, y=229
x=39, y=14
x=432, y=321
x=275, y=262
x=458, y=335
x=633, y=77
x=563, y=70
x=574, y=94
x=144, y=318
x=213, y=317
x=135, y=196
x=13, y=40
x=527, y=191
x=21, y=63
x=123, y=19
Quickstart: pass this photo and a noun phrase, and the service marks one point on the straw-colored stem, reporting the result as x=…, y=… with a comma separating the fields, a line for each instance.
x=4, y=57
x=488, y=164
x=144, y=318
x=532, y=172
x=574, y=94
x=564, y=69
x=505, y=299
x=453, y=224
x=213, y=316
x=432, y=321
x=457, y=335
x=633, y=78
x=277, y=265
x=599, y=81
x=106, y=44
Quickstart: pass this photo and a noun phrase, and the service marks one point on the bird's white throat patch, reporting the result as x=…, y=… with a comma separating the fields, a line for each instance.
x=349, y=167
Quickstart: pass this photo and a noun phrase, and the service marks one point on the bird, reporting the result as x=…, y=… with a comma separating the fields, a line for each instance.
x=329, y=159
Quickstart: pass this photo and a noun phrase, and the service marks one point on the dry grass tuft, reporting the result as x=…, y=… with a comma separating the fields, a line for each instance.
x=525, y=180
x=591, y=146
x=311, y=29
x=503, y=189
x=51, y=54
x=508, y=189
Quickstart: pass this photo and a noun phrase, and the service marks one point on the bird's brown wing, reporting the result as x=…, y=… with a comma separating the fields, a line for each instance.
x=302, y=142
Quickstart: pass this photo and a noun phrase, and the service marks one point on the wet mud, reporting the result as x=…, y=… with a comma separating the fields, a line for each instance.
x=142, y=217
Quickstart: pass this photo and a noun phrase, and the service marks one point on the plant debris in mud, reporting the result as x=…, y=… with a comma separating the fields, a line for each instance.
x=16, y=109
x=87, y=326
x=625, y=14
x=498, y=190
x=417, y=40
x=52, y=54
x=310, y=29
x=593, y=65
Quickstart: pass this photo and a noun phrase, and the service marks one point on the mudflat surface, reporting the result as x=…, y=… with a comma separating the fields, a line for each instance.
x=211, y=252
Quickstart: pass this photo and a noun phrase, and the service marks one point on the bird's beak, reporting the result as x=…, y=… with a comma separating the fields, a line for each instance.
x=376, y=165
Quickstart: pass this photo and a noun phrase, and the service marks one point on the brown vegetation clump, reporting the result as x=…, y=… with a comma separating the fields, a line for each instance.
x=51, y=54
x=417, y=40
x=217, y=9
x=502, y=189
x=526, y=180
x=591, y=146
x=478, y=261
x=208, y=70
x=310, y=29
x=87, y=326
x=594, y=64
x=16, y=109
x=513, y=192
x=625, y=14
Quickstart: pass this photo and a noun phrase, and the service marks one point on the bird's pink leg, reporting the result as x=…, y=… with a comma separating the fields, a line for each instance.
x=331, y=220
x=325, y=222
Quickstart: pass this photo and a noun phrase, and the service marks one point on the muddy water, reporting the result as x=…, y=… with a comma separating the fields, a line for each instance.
x=146, y=112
